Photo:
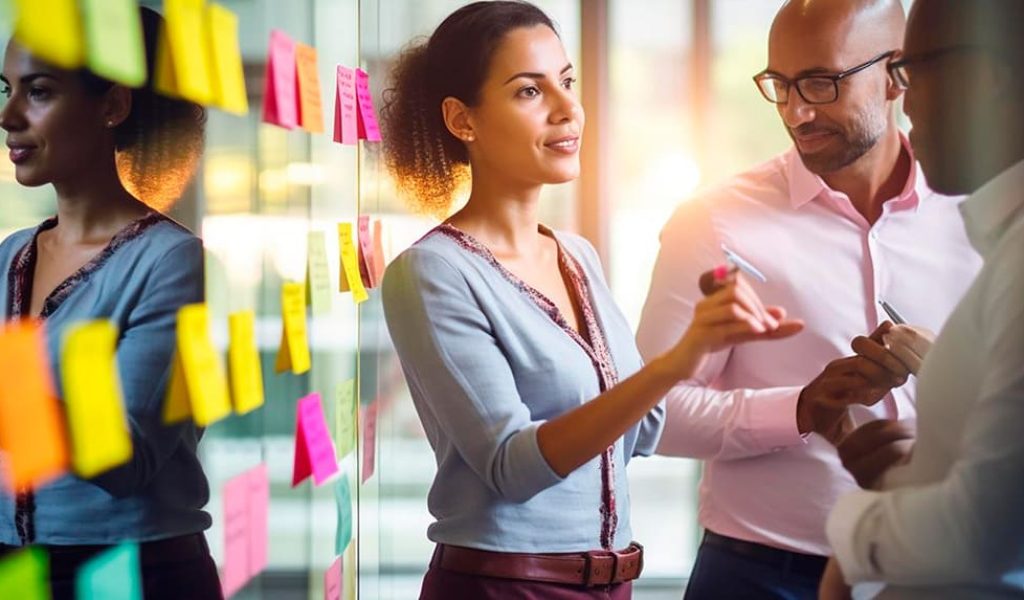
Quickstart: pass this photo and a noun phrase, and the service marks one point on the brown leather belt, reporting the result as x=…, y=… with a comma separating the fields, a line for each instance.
x=594, y=568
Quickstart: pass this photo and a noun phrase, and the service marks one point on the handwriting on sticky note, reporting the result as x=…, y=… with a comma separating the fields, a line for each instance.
x=259, y=518
x=345, y=417
x=369, y=425
x=31, y=424
x=314, y=450
x=332, y=580
x=245, y=374
x=318, y=276
x=346, y=118
x=92, y=398
x=350, y=264
x=25, y=575
x=293, y=353
x=279, y=104
x=226, y=60
x=369, y=130
x=198, y=385
x=113, y=574
x=113, y=34
x=51, y=31
x=310, y=105
x=235, y=571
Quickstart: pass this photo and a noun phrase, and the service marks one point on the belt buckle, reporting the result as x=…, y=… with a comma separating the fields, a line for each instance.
x=588, y=567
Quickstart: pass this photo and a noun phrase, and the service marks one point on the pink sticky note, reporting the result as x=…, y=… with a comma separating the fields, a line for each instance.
x=259, y=509
x=235, y=572
x=366, y=260
x=369, y=422
x=314, y=449
x=345, y=111
x=369, y=130
x=280, y=88
x=332, y=580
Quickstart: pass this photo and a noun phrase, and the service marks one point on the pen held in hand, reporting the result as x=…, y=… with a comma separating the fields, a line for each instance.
x=896, y=317
x=743, y=264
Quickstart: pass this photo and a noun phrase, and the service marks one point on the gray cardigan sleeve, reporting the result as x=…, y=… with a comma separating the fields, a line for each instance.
x=457, y=369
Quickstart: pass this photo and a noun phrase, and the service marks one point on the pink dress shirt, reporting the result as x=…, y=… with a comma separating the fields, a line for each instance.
x=763, y=481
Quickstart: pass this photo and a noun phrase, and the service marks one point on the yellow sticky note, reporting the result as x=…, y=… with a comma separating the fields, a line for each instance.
x=185, y=50
x=113, y=34
x=198, y=386
x=294, y=351
x=51, y=30
x=311, y=116
x=346, y=418
x=92, y=396
x=31, y=422
x=318, y=277
x=226, y=60
x=350, y=279
x=244, y=362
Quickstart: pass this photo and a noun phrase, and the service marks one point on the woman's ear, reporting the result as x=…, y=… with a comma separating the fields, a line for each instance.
x=117, y=105
x=458, y=119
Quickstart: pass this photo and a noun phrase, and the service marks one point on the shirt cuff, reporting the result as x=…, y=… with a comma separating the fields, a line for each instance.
x=841, y=528
x=771, y=415
x=538, y=475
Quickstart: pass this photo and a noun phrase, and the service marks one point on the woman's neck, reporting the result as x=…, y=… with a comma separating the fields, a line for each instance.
x=502, y=218
x=94, y=209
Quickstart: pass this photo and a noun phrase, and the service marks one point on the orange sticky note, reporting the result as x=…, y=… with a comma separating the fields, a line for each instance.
x=279, y=107
x=369, y=130
x=311, y=114
x=198, y=386
x=293, y=354
x=346, y=129
x=350, y=279
x=31, y=423
x=379, y=262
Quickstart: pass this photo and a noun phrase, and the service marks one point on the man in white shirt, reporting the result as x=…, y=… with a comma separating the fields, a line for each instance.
x=949, y=522
x=838, y=223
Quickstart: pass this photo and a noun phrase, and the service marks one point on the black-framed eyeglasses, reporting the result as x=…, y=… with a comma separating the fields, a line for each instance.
x=819, y=88
x=899, y=69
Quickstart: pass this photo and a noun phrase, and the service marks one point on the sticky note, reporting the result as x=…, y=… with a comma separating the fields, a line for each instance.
x=350, y=278
x=345, y=417
x=245, y=375
x=279, y=106
x=369, y=130
x=198, y=386
x=314, y=450
x=343, y=497
x=235, y=570
x=318, y=278
x=186, y=52
x=226, y=60
x=349, y=573
x=113, y=574
x=366, y=259
x=346, y=127
x=332, y=580
x=368, y=421
x=311, y=115
x=113, y=38
x=293, y=354
x=25, y=575
x=31, y=424
x=379, y=262
x=52, y=31
x=93, y=398
x=259, y=518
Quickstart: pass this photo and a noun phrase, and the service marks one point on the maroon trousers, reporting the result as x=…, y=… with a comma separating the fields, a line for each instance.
x=439, y=584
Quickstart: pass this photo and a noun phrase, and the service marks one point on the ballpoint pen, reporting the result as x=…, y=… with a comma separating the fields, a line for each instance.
x=896, y=317
x=743, y=264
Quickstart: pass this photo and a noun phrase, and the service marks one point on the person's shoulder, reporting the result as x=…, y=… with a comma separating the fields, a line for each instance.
x=167, y=234
x=432, y=256
x=16, y=241
x=580, y=247
x=764, y=185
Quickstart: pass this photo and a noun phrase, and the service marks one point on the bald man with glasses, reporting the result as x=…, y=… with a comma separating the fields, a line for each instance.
x=839, y=223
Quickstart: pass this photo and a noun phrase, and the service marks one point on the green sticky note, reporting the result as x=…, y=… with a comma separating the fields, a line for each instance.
x=113, y=40
x=25, y=575
x=345, y=418
x=318, y=277
x=343, y=495
x=111, y=575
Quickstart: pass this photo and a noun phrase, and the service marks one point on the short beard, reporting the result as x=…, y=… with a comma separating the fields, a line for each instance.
x=864, y=132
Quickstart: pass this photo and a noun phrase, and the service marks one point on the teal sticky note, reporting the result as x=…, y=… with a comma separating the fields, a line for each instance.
x=343, y=495
x=111, y=575
x=25, y=575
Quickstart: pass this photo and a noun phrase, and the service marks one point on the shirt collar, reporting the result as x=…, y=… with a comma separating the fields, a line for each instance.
x=805, y=186
x=990, y=211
